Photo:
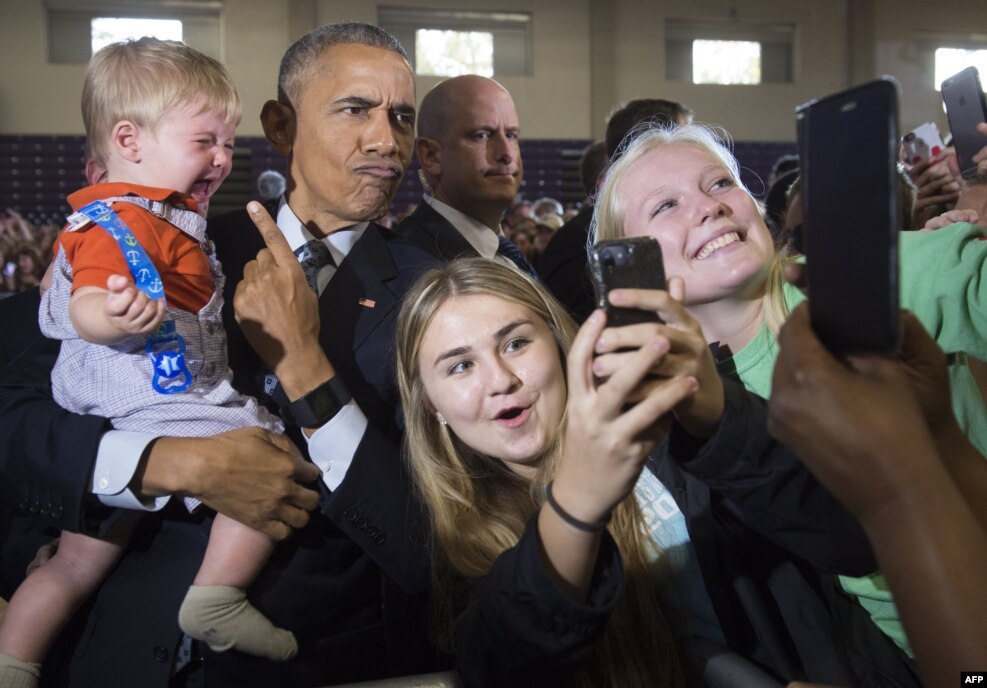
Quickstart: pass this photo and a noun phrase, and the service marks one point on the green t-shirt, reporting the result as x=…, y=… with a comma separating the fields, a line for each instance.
x=754, y=365
x=943, y=281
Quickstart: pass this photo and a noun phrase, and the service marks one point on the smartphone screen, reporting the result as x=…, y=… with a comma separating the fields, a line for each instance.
x=965, y=108
x=633, y=263
x=849, y=147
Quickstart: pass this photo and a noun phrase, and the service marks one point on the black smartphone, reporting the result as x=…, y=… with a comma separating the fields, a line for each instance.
x=965, y=109
x=848, y=142
x=631, y=263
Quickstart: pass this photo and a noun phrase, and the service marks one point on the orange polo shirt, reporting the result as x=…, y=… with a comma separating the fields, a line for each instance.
x=181, y=262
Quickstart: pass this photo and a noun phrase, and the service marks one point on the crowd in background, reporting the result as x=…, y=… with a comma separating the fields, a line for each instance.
x=25, y=251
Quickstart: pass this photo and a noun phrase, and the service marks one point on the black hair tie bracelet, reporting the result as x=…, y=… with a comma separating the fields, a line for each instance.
x=569, y=518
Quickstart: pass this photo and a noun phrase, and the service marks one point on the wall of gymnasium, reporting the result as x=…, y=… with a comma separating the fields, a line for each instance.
x=588, y=56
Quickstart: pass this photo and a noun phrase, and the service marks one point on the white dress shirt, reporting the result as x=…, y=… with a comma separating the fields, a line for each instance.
x=483, y=239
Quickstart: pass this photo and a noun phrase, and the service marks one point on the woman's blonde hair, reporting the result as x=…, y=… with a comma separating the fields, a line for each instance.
x=478, y=508
x=610, y=207
x=141, y=80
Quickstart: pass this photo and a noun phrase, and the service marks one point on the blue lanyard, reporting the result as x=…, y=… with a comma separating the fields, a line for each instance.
x=165, y=348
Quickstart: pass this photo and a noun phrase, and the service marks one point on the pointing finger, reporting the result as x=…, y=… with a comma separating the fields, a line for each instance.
x=273, y=238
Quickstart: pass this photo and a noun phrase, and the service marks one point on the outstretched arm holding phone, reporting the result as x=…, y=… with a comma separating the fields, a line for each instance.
x=867, y=430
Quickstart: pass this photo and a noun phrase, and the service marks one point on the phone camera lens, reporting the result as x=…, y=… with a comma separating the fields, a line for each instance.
x=615, y=256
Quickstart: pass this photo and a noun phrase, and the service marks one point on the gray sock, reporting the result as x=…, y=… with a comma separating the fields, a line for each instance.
x=221, y=616
x=17, y=674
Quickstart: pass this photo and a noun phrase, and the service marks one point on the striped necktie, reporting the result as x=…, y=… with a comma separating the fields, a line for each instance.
x=508, y=249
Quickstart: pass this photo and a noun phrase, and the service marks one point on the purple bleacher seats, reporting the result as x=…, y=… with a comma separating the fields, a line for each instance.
x=36, y=172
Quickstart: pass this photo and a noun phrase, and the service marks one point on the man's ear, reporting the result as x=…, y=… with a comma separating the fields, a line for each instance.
x=429, y=152
x=278, y=121
x=125, y=140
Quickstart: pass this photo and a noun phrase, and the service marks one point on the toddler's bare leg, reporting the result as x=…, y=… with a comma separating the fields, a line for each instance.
x=216, y=609
x=48, y=598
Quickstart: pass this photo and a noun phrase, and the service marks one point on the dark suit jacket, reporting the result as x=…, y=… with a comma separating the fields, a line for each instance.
x=434, y=234
x=324, y=583
x=563, y=266
x=18, y=308
x=20, y=535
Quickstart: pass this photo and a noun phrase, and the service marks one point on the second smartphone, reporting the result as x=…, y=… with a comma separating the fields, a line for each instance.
x=965, y=109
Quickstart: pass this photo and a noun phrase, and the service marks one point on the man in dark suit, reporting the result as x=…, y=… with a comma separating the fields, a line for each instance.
x=344, y=117
x=562, y=267
x=471, y=167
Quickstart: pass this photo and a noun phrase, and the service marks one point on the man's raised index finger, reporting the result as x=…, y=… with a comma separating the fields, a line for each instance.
x=273, y=238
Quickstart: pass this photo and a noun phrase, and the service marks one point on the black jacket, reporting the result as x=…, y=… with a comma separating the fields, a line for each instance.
x=521, y=629
x=769, y=538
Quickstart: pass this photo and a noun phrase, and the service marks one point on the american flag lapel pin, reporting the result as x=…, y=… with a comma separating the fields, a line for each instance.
x=367, y=303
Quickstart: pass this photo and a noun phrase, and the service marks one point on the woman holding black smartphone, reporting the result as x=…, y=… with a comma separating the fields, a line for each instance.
x=544, y=570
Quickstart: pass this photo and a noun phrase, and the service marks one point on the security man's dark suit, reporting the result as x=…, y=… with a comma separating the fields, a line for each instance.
x=435, y=234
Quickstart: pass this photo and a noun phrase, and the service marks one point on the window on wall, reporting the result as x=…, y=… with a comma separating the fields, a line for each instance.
x=106, y=30
x=726, y=62
x=703, y=52
x=454, y=42
x=949, y=61
x=452, y=53
x=78, y=28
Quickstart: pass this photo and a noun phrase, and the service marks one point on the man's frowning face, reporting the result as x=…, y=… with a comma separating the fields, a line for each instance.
x=351, y=136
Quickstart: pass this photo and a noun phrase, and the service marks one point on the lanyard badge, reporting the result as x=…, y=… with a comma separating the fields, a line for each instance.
x=165, y=348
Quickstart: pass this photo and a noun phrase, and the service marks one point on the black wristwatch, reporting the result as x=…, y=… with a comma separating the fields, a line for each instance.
x=320, y=405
